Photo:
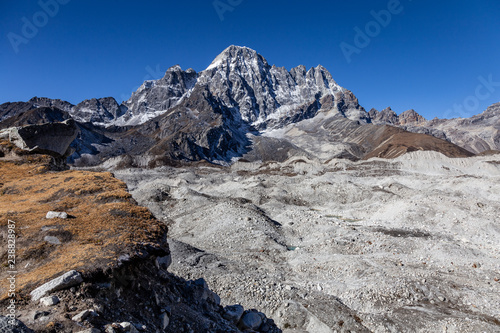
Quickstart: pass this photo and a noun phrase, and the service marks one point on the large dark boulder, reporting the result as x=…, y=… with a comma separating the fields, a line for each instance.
x=50, y=138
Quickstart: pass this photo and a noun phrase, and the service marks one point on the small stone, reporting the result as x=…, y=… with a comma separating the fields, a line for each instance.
x=91, y=330
x=251, y=321
x=49, y=300
x=165, y=320
x=163, y=262
x=128, y=327
x=233, y=313
x=81, y=316
x=52, y=240
x=109, y=329
x=441, y=298
x=48, y=228
x=53, y=215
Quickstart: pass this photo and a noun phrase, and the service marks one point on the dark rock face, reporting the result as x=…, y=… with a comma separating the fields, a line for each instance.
x=36, y=116
x=9, y=110
x=154, y=97
x=197, y=129
x=51, y=138
x=386, y=116
x=56, y=103
x=102, y=110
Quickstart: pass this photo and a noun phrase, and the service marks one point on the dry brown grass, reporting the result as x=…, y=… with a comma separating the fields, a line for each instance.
x=105, y=222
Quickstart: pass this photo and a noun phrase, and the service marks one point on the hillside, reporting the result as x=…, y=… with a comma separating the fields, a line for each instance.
x=118, y=248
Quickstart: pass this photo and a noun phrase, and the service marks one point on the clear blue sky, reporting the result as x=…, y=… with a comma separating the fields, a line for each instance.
x=429, y=57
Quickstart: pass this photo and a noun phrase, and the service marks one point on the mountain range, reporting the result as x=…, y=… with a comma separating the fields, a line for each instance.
x=240, y=107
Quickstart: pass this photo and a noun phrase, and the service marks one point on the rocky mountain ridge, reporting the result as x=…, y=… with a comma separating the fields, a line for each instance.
x=477, y=134
x=222, y=112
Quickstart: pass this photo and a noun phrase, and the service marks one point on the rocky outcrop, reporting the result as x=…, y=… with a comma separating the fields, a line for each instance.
x=51, y=138
x=102, y=110
x=344, y=138
x=38, y=102
x=410, y=117
x=389, y=117
x=476, y=134
x=155, y=97
x=37, y=116
x=386, y=116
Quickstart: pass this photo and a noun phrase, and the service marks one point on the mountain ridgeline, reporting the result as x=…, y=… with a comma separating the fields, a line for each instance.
x=240, y=106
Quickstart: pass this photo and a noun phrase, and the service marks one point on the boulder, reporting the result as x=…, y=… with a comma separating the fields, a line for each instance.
x=163, y=262
x=81, y=316
x=50, y=138
x=69, y=279
x=250, y=321
x=49, y=300
x=53, y=215
x=165, y=320
x=233, y=313
x=128, y=327
x=52, y=240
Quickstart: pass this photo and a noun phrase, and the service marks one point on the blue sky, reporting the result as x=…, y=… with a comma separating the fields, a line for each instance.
x=437, y=57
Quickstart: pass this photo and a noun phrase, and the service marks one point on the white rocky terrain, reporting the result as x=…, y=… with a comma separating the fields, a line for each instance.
x=404, y=245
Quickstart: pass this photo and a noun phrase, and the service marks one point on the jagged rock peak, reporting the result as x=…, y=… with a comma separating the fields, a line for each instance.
x=49, y=102
x=411, y=117
x=494, y=108
x=386, y=116
x=237, y=55
x=175, y=68
x=97, y=110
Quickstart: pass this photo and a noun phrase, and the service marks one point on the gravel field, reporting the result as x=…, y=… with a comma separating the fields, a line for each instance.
x=404, y=245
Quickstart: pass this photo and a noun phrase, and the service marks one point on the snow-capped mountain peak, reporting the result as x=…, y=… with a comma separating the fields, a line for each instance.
x=240, y=80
